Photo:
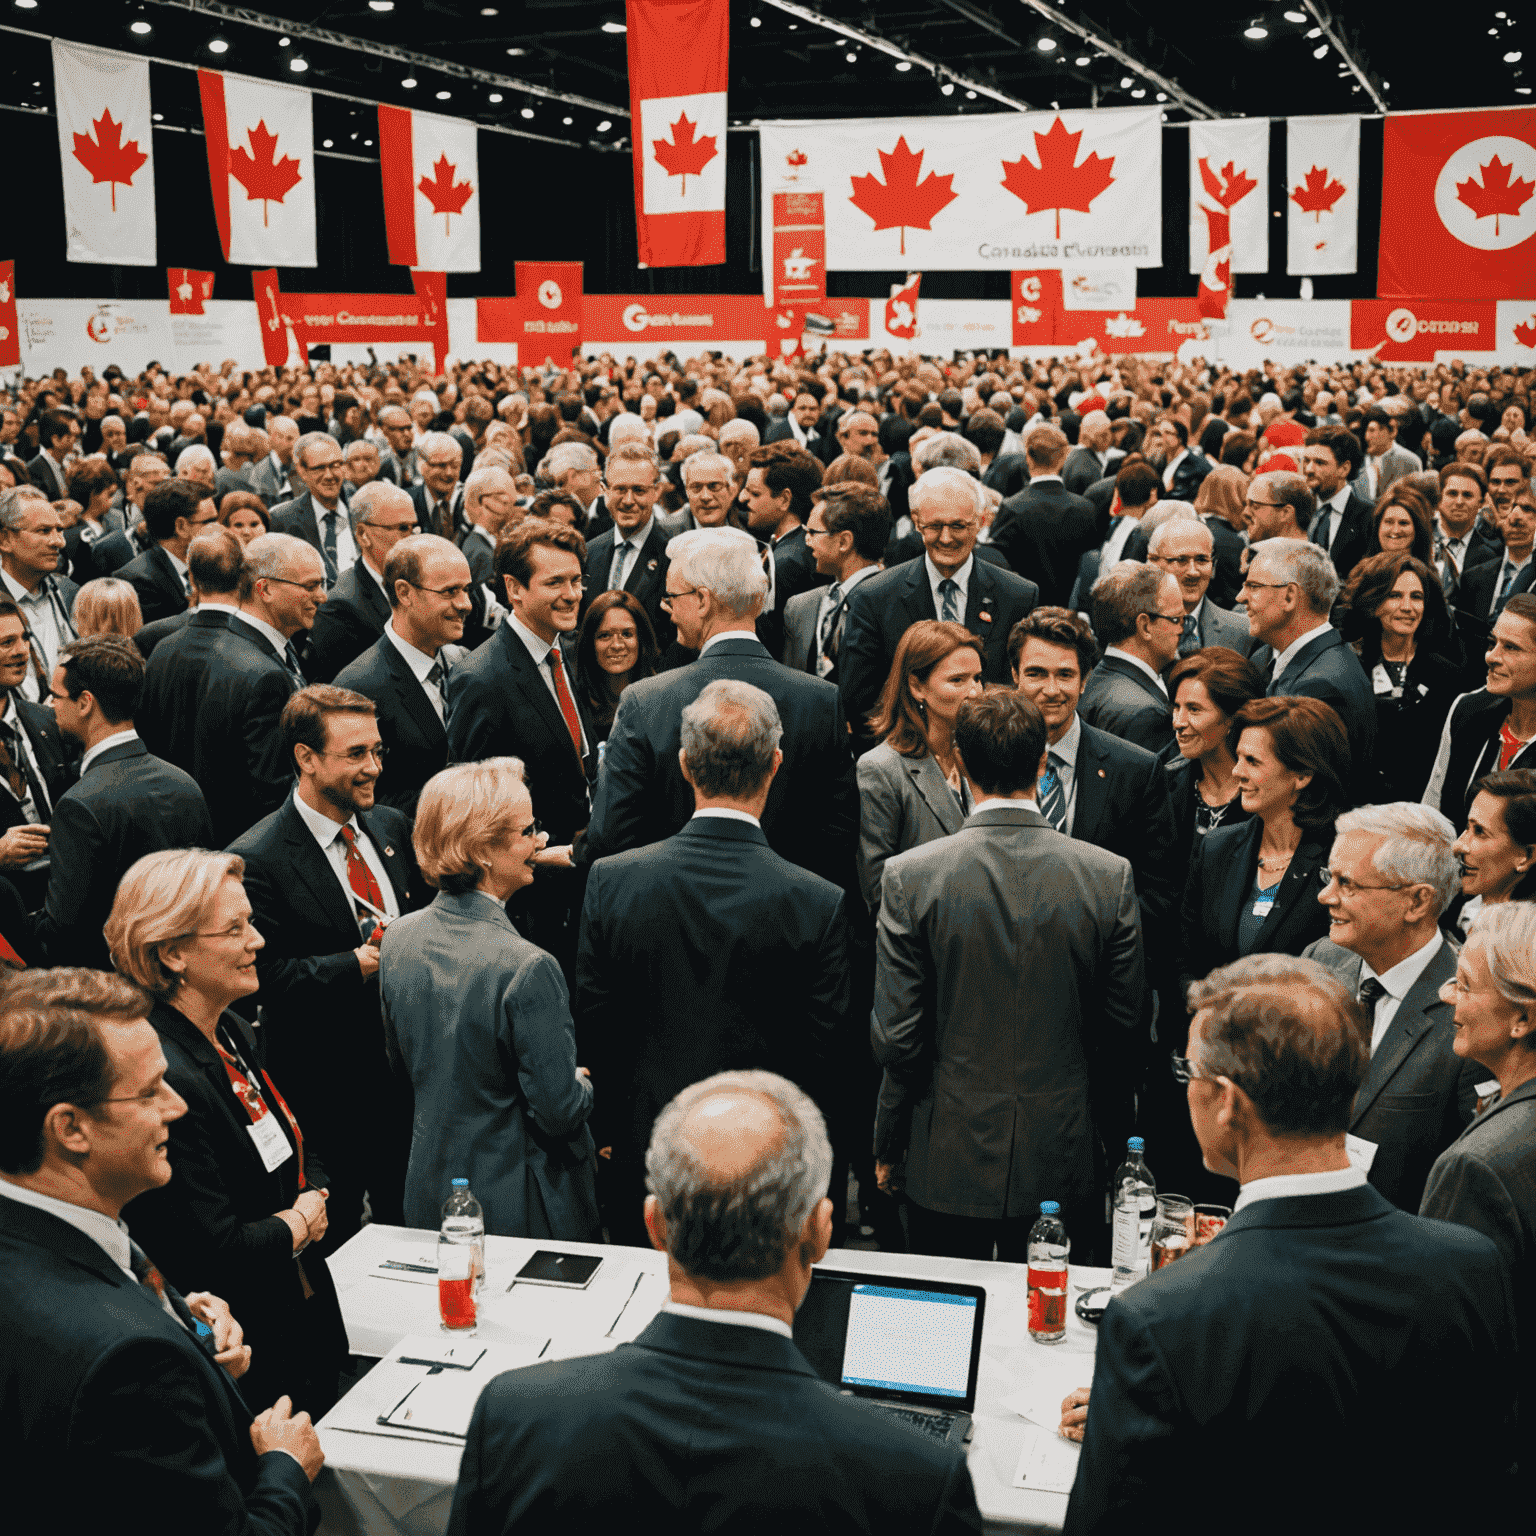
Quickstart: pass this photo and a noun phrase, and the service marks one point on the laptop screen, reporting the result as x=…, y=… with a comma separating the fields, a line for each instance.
x=915, y=1341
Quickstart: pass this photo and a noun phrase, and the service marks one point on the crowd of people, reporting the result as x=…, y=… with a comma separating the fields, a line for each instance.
x=435, y=777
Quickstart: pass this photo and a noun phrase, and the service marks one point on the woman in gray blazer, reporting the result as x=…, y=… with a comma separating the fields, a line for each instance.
x=480, y=1019
x=910, y=789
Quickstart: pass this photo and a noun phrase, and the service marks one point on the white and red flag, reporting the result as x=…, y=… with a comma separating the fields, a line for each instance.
x=1229, y=182
x=1322, y=178
x=108, y=160
x=901, y=307
x=1458, y=205
x=431, y=173
x=189, y=289
x=269, y=311
x=10, y=325
x=261, y=166
x=678, y=55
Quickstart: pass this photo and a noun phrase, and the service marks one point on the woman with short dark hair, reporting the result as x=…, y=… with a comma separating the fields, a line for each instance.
x=1498, y=848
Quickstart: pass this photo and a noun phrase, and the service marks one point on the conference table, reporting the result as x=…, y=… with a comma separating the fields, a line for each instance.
x=382, y=1480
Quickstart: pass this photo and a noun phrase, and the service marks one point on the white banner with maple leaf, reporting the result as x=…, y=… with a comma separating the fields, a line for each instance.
x=1229, y=173
x=994, y=191
x=261, y=167
x=107, y=156
x=430, y=168
x=1322, y=211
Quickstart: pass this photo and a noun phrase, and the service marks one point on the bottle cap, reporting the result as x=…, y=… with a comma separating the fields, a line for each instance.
x=1050, y=1207
x=461, y=1183
x=1136, y=1144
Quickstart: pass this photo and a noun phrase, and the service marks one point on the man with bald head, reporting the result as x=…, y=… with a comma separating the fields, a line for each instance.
x=272, y=478
x=712, y=1419
x=397, y=461
x=1093, y=458
x=490, y=504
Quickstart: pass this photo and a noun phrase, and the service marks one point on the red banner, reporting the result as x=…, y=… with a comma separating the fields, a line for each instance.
x=1036, y=303
x=1413, y=330
x=432, y=292
x=274, y=322
x=189, y=289
x=360, y=318
x=650, y=323
x=10, y=325
x=549, y=310
x=1151, y=326
x=1458, y=204
x=678, y=56
x=799, y=248
x=901, y=307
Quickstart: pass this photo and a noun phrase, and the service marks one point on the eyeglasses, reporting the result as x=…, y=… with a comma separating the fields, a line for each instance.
x=1250, y=502
x=1348, y=887
x=714, y=487
x=819, y=533
x=1265, y=586
x=409, y=527
x=1185, y=562
x=331, y=467
x=957, y=530
x=306, y=586
x=359, y=755
x=672, y=597
x=1168, y=618
x=453, y=594
x=441, y=464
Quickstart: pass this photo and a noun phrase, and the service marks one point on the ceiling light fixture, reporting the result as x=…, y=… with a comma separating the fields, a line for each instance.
x=284, y=42
x=516, y=53
x=381, y=5
x=298, y=64
x=1297, y=16
x=852, y=58
x=1162, y=95
x=1255, y=30
x=409, y=83
x=903, y=65
x=614, y=27
x=1047, y=45
x=604, y=126
x=1139, y=92
x=1082, y=61
x=328, y=144
x=140, y=28
x=1125, y=82
x=756, y=21
x=1513, y=57
x=567, y=121
x=494, y=98
x=947, y=89
x=444, y=95
x=489, y=10
x=970, y=95
x=1313, y=32
x=26, y=5
x=218, y=45
x=527, y=112
x=1320, y=52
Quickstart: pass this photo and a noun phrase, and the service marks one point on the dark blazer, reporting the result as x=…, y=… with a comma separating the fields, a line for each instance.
x=481, y=556
x=214, y=1226
x=1352, y=542
x=1418, y=1094
x=237, y=757
x=127, y=805
x=350, y=619
x=416, y=740
x=108, y=555
x=710, y=1427
x=1343, y=1324
x=47, y=474
x=1185, y=799
x=703, y=953
x=297, y=517
x=173, y=675
x=1228, y=555
x=780, y=431
x=882, y=609
x=794, y=572
x=1327, y=669
x=57, y=763
x=1220, y=626
x=1082, y=468
x=151, y=635
x=1187, y=477
x=114, y=1400
x=1043, y=532
x=1123, y=700
x=159, y=588
x=226, y=480
x=903, y=803
x=811, y=817
x=1007, y=474
x=427, y=522
x=1469, y=745
x=269, y=482
x=1222, y=866
x=1408, y=729
x=646, y=579
x=1474, y=593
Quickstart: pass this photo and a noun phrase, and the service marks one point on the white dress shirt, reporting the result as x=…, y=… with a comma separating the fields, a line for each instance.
x=346, y=546
x=626, y=549
x=1007, y=803
x=1066, y=769
x=274, y=637
x=1399, y=982
x=1335, y=505
x=1136, y=661
x=328, y=834
x=725, y=813
x=1286, y=1186
x=105, y=745
x=1288, y=655
x=961, y=578
x=1171, y=468
x=420, y=664
x=539, y=650
x=208, y=605
x=1116, y=541
x=51, y=626
x=1507, y=569
x=35, y=814
x=1456, y=549
x=728, y=634
x=825, y=606
x=730, y=1318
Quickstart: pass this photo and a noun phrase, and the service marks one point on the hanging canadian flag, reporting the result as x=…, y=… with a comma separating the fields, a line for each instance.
x=261, y=165
x=1322, y=175
x=1458, y=204
x=432, y=293
x=901, y=307
x=678, y=53
x=189, y=290
x=105, y=150
x=1036, y=303
x=269, y=311
x=10, y=324
x=1216, y=275
x=431, y=173
x=1229, y=177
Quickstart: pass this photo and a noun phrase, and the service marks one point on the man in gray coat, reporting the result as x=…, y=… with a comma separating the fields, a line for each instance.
x=1009, y=977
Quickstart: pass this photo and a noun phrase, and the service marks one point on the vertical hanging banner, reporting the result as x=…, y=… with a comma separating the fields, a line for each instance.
x=107, y=157
x=10, y=324
x=261, y=166
x=549, y=302
x=678, y=56
x=431, y=173
x=432, y=292
x=799, y=271
x=1322, y=175
x=1229, y=176
x=1458, y=204
x=901, y=307
x=269, y=311
x=1036, y=302
x=189, y=290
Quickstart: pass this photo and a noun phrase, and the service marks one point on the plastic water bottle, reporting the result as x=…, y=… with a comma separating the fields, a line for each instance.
x=460, y=1258
x=1134, y=1197
x=1048, y=1250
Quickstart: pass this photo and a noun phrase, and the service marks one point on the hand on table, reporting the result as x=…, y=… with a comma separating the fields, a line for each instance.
x=1074, y=1415
x=232, y=1352
x=279, y=1428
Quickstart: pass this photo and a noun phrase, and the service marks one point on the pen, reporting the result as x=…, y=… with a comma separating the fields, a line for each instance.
x=622, y=1310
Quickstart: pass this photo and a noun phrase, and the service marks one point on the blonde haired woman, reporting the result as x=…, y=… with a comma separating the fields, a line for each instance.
x=480, y=1019
x=108, y=606
x=247, y=1191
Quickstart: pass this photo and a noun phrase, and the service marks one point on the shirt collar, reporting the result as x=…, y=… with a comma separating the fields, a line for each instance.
x=1286, y=1186
x=724, y=813
x=211, y=605
x=638, y=537
x=729, y=1318
x=274, y=637
x=728, y=634
x=1288, y=655
x=1340, y=498
x=1066, y=748
x=1042, y=479
x=1004, y=803
x=1456, y=541
x=18, y=592
x=961, y=578
x=178, y=565
x=418, y=661
x=322, y=828
x=105, y=745
x=538, y=647
x=1136, y=661
x=111, y=1236
x=1400, y=979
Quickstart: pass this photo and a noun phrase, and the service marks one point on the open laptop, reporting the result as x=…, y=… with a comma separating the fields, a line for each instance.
x=911, y=1348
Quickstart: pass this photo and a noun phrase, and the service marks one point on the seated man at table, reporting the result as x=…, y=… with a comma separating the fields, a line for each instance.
x=712, y=1419
x=1291, y=1368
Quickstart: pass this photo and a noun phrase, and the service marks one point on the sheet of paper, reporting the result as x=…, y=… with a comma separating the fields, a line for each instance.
x=1038, y=1396
x=1047, y=1463
x=412, y=1266
x=439, y=1405
x=445, y=1349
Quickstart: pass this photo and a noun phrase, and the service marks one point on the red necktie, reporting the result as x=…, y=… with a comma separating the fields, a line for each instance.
x=567, y=701
x=360, y=878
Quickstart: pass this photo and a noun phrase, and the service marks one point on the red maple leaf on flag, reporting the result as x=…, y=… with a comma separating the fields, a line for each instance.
x=1058, y=182
x=1495, y=194
x=1526, y=334
x=902, y=201
x=446, y=196
x=683, y=154
x=106, y=157
x=260, y=172
x=1316, y=194
x=1227, y=186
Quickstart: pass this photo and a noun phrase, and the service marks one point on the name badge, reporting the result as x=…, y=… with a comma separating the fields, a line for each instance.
x=1360, y=1152
x=1261, y=907
x=271, y=1145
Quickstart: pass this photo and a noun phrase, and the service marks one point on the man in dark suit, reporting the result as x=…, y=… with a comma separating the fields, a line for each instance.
x=1394, y=874
x=272, y=476
x=1183, y=467
x=103, y=1378
x=251, y=669
x=949, y=582
x=1462, y=538
x=357, y=607
x=318, y=514
x=586, y=1442
x=1345, y=1324
x=323, y=871
x=1486, y=587
x=1185, y=548
x=126, y=804
x=490, y=500
x=1009, y=979
x=175, y=512
x=1093, y=458
x=1138, y=617
x=31, y=548
x=798, y=426
x=238, y=450
x=715, y=586
x=708, y=951
x=1291, y=589
x=406, y=673
x=846, y=533
x=1045, y=530
x=57, y=434
x=110, y=553
x=1330, y=460
x=776, y=496
x=438, y=496
x=632, y=555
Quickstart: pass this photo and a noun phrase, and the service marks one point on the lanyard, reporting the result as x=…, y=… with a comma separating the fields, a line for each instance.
x=250, y=1096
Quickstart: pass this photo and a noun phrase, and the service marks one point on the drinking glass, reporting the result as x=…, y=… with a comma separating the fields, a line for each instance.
x=1173, y=1229
x=1209, y=1220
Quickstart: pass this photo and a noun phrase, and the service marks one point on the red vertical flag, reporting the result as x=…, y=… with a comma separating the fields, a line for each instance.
x=10, y=325
x=189, y=289
x=678, y=56
x=269, y=312
x=432, y=290
x=549, y=300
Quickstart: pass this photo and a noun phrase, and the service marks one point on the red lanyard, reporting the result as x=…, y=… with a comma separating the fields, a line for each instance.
x=1510, y=746
x=250, y=1096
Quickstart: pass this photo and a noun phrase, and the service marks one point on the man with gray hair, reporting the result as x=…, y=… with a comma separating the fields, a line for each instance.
x=195, y=463
x=737, y=1171
x=1138, y=617
x=490, y=503
x=710, y=484
x=1279, y=505
x=738, y=437
x=715, y=589
x=238, y=450
x=708, y=950
x=1290, y=589
x=271, y=479
x=574, y=467
x=31, y=548
x=1093, y=458
x=1391, y=874
x=439, y=497
x=318, y=515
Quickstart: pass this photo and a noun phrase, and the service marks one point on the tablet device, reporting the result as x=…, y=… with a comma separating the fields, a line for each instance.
x=572, y=1270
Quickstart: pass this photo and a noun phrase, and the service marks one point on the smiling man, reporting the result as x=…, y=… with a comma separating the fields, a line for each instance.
x=631, y=556
x=31, y=544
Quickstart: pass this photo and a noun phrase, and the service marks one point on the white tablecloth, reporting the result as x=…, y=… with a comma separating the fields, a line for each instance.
x=381, y=1486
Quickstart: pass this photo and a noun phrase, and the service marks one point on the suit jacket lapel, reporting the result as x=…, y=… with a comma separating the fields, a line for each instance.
x=315, y=871
x=412, y=694
x=919, y=595
x=1238, y=882
x=931, y=784
x=392, y=858
x=980, y=602
x=168, y=577
x=526, y=676
x=1137, y=676
x=1092, y=787
x=1304, y=659
x=1298, y=885
x=1415, y=1015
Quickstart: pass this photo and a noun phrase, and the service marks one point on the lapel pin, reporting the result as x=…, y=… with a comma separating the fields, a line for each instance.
x=983, y=617
x=389, y=852
x=1101, y=773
